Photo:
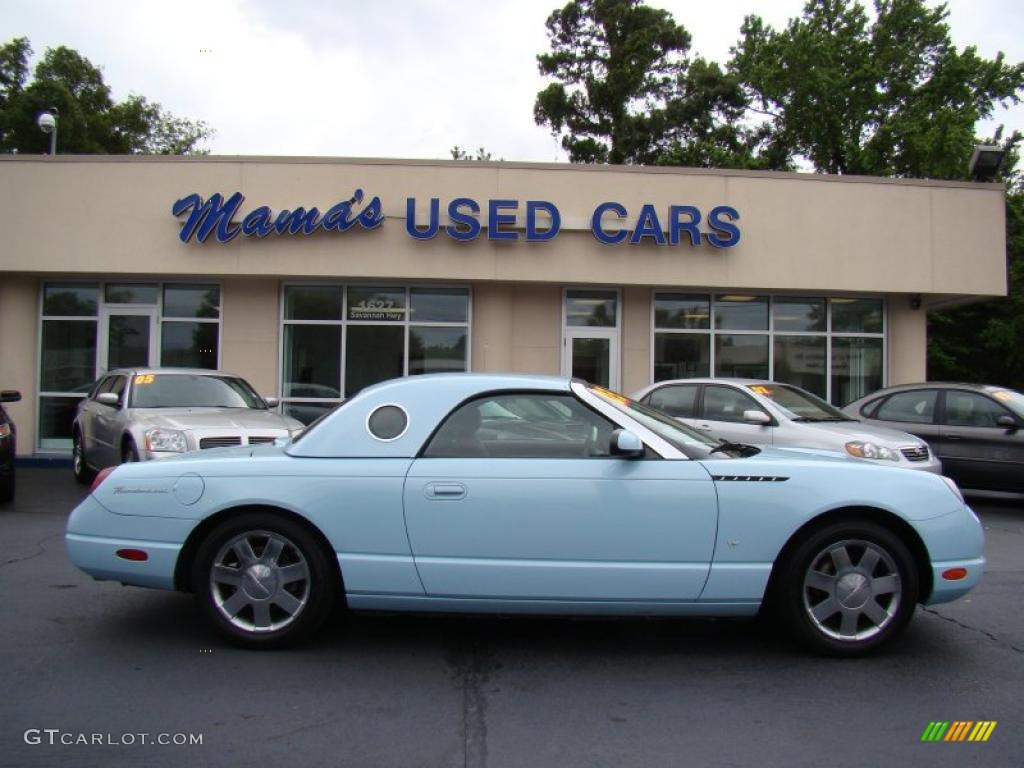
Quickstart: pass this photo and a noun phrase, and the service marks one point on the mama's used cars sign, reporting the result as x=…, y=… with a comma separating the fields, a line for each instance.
x=467, y=220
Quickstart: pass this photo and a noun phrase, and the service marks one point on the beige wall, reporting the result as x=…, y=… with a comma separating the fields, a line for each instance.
x=19, y=328
x=907, y=341
x=636, y=339
x=517, y=328
x=250, y=325
x=800, y=231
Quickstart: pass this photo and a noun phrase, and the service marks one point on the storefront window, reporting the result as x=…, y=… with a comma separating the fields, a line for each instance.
x=833, y=348
x=856, y=315
x=373, y=353
x=591, y=308
x=90, y=328
x=800, y=360
x=739, y=312
x=856, y=368
x=741, y=355
x=338, y=339
x=131, y=293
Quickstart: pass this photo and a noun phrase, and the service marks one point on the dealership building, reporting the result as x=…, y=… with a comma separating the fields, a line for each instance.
x=315, y=277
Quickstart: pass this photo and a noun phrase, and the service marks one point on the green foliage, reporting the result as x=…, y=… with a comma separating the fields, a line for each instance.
x=90, y=121
x=893, y=97
x=458, y=153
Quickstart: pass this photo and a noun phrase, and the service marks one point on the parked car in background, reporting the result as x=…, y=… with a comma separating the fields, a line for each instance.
x=8, y=445
x=761, y=412
x=153, y=413
x=527, y=494
x=977, y=430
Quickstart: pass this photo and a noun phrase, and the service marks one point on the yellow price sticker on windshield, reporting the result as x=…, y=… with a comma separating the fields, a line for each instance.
x=760, y=389
x=145, y=378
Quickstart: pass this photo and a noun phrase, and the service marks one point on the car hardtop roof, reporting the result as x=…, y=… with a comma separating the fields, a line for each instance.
x=719, y=380
x=942, y=385
x=483, y=382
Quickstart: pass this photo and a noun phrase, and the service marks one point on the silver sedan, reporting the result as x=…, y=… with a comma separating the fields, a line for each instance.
x=767, y=413
x=154, y=413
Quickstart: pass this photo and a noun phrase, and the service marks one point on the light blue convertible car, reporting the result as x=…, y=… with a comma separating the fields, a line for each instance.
x=526, y=494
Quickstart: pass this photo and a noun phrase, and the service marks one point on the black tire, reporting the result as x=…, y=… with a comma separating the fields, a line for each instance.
x=268, y=617
x=847, y=588
x=7, y=488
x=129, y=452
x=83, y=474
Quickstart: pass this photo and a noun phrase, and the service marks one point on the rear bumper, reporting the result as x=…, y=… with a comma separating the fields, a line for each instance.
x=95, y=534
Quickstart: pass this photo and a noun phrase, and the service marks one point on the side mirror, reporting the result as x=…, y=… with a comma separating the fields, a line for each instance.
x=757, y=417
x=1008, y=422
x=9, y=396
x=626, y=444
x=108, y=398
x=272, y=402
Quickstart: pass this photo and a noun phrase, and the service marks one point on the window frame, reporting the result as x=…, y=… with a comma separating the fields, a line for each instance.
x=712, y=331
x=343, y=322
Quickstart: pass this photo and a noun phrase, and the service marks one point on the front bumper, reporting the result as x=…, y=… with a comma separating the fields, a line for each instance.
x=953, y=541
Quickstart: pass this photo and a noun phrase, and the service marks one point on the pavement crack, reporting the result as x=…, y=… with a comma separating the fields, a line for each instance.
x=471, y=670
x=39, y=547
x=994, y=638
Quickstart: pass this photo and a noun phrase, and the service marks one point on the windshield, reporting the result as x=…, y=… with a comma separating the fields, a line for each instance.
x=797, y=404
x=186, y=390
x=691, y=442
x=1010, y=399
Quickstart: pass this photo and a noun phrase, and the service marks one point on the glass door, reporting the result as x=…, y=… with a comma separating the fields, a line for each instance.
x=127, y=337
x=590, y=335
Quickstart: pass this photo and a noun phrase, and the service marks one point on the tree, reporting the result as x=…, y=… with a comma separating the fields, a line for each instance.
x=90, y=121
x=893, y=97
x=458, y=153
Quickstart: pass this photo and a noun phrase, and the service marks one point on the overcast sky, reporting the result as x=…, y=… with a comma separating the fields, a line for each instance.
x=380, y=78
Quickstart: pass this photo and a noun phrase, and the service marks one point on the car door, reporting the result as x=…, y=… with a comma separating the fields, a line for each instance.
x=721, y=416
x=913, y=411
x=976, y=451
x=516, y=497
x=107, y=423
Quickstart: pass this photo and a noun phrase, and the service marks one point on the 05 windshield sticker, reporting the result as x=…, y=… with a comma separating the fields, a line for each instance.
x=145, y=378
x=612, y=397
x=760, y=389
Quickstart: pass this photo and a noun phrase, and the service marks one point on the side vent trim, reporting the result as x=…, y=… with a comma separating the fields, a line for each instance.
x=749, y=478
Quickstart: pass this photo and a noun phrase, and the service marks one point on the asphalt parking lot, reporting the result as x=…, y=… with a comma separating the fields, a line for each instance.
x=83, y=658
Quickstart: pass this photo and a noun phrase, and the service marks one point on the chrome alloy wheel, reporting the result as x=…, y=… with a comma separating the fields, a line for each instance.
x=260, y=581
x=851, y=590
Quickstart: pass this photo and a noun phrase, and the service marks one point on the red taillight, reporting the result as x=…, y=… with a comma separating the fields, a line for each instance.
x=132, y=554
x=954, y=574
x=100, y=478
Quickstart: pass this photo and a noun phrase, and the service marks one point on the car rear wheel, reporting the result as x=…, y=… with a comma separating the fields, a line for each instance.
x=848, y=588
x=83, y=474
x=263, y=581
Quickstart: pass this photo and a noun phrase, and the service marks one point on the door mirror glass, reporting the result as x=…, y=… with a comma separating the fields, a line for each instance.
x=626, y=444
x=757, y=417
x=108, y=398
x=1008, y=422
x=10, y=396
x=271, y=402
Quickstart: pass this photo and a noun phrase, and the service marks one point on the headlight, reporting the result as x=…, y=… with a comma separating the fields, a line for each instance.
x=165, y=440
x=864, y=450
x=5, y=430
x=953, y=487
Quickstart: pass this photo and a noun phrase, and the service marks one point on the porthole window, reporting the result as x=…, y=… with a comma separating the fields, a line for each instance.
x=388, y=422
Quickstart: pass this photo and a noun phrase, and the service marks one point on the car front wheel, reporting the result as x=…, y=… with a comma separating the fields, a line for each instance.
x=848, y=588
x=263, y=581
x=83, y=474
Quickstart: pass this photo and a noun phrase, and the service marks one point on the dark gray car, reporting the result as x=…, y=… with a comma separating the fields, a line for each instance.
x=977, y=430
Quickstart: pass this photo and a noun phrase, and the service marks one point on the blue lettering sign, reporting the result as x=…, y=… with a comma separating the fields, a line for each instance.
x=214, y=216
x=432, y=224
x=532, y=208
x=724, y=227
x=495, y=219
x=470, y=228
x=608, y=238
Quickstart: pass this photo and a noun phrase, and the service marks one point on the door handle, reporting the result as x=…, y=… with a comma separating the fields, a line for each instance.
x=952, y=436
x=704, y=427
x=441, y=491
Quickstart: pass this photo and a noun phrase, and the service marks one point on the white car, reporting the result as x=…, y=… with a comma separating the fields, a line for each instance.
x=154, y=413
x=766, y=413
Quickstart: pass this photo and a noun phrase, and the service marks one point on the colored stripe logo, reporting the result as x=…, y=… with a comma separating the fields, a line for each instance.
x=958, y=730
